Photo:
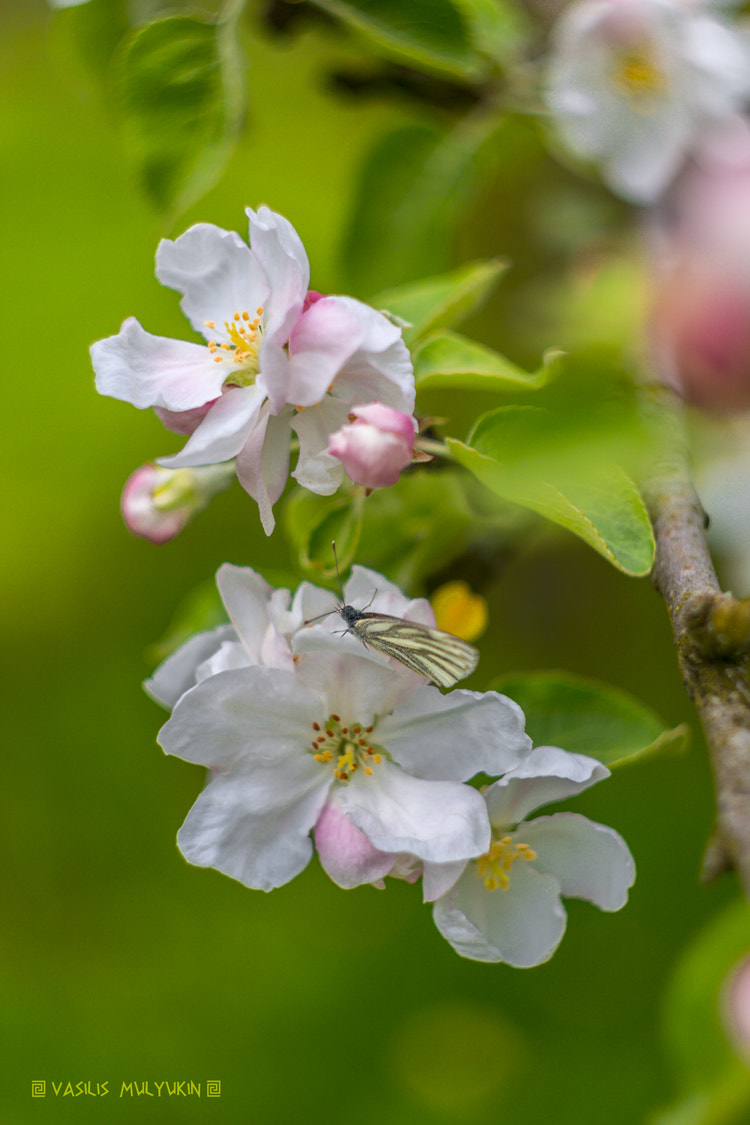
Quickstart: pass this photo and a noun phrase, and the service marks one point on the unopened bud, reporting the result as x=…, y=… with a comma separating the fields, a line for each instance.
x=377, y=445
x=157, y=503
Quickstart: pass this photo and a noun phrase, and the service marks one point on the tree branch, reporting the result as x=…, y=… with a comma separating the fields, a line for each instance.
x=712, y=634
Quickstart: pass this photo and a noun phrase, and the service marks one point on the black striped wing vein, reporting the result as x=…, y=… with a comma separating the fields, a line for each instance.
x=440, y=656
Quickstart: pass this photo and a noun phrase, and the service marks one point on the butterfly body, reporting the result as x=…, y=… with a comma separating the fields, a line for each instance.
x=439, y=656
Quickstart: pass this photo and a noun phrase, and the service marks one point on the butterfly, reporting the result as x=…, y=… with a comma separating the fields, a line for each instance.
x=433, y=653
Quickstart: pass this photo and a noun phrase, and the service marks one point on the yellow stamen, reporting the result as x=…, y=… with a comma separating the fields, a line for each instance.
x=494, y=867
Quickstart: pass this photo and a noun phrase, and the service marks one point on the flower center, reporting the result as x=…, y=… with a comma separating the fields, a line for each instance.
x=636, y=75
x=346, y=748
x=243, y=336
x=494, y=867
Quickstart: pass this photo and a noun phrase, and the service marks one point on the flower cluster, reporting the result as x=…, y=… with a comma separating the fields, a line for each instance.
x=309, y=735
x=634, y=85
x=279, y=361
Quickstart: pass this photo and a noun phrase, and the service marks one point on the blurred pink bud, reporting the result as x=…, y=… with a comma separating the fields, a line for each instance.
x=157, y=503
x=701, y=311
x=737, y=1007
x=701, y=326
x=377, y=445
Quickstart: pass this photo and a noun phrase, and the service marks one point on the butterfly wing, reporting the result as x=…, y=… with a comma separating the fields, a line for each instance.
x=439, y=656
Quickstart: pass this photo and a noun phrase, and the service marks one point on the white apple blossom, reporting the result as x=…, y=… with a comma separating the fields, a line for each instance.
x=277, y=358
x=634, y=83
x=303, y=729
x=265, y=623
x=506, y=904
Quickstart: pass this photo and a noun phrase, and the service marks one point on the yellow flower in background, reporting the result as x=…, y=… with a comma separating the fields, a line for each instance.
x=459, y=610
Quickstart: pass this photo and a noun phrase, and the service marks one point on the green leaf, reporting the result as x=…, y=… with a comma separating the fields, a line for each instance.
x=313, y=522
x=525, y=455
x=588, y=717
x=451, y=360
x=180, y=89
x=413, y=188
x=440, y=302
x=497, y=28
x=426, y=33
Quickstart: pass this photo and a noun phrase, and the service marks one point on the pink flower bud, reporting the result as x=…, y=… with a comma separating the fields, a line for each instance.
x=377, y=445
x=701, y=310
x=157, y=503
x=736, y=1008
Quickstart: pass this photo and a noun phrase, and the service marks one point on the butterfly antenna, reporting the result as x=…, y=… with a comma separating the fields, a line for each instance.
x=338, y=572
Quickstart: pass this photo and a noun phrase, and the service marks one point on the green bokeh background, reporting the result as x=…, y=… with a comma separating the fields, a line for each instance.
x=119, y=961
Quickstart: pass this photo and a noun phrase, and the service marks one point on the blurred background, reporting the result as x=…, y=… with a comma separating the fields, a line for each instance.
x=120, y=962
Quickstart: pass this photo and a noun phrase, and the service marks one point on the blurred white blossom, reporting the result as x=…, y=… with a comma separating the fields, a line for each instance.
x=633, y=84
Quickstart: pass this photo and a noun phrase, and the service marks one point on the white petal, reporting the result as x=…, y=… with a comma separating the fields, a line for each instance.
x=355, y=687
x=279, y=250
x=148, y=370
x=263, y=464
x=455, y=736
x=245, y=595
x=255, y=827
x=521, y=926
x=588, y=860
x=177, y=674
x=345, y=853
x=215, y=272
x=438, y=878
x=440, y=821
x=223, y=432
x=547, y=774
x=230, y=655
x=317, y=470
x=257, y=714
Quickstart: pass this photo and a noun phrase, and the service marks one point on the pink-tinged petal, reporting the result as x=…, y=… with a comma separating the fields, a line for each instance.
x=245, y=595
x=186, y=421
x=521, y=926
x=547, y=774
x=345, y=853
x=223, y=432
x=255, y=826
x=440, y=821
x=588, y=860
x=147, y=370
x=253, y=715
x=323, y=339
x=457, y=735
x=381, y=368
x=177, y=674
x=215, y=272
x=279, y=250
x=263, y=464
